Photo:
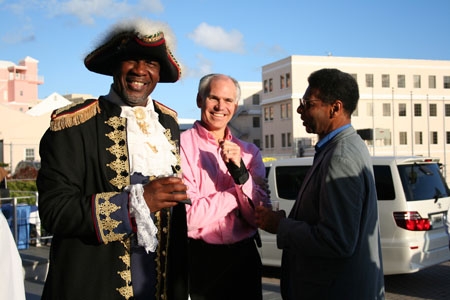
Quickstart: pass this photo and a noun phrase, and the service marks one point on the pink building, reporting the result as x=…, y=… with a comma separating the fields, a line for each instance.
x=19, y=84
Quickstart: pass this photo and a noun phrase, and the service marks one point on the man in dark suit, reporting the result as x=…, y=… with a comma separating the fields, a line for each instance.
x=106, y=185
x=330, y=241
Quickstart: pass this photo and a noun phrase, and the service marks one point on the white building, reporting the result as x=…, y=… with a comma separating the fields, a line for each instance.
x=405, y=102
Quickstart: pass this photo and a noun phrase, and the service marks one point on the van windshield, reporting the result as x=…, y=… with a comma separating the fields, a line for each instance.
x=423, y=181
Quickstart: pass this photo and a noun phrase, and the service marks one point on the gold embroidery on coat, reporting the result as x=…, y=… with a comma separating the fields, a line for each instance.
x=119, y=150
x=127, y=290
x=106, y=224
x=163, y=225
x=122, y=179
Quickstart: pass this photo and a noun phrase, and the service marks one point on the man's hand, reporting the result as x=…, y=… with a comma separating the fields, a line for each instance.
x=231, y=155
x=164, y=192
x=268, y=220
x=230, y=152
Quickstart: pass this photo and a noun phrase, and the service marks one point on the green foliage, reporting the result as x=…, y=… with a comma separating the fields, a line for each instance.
x=25, y=190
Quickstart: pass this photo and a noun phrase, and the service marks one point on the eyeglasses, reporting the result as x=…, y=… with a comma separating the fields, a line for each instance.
x=306, y=104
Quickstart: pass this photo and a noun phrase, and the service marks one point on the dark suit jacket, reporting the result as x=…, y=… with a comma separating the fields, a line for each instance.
x=331, y=242
x=82, y=202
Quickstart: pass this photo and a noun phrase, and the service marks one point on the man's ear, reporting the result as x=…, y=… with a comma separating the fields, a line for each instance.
x=199, y=101
x=336, y=108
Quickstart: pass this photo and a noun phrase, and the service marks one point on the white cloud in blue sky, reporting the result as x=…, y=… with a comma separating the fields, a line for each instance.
x=217, y=39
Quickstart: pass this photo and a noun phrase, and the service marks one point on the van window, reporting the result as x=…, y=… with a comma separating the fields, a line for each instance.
x=384, y=183
x=422, y=181
x=289, y=179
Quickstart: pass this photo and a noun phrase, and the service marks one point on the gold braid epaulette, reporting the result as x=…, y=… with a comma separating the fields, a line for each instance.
x=74, y=114
x=166, y=110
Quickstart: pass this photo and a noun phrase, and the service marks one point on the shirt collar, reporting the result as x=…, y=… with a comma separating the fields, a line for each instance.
x=320, y=144
x=207, y=135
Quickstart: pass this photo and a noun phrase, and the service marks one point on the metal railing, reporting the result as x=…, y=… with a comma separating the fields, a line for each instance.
x=32, y=222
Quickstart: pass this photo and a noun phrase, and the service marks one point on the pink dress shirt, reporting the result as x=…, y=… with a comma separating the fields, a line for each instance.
x=222, y=212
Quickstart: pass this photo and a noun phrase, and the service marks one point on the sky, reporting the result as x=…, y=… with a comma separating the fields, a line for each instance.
x=233, y=37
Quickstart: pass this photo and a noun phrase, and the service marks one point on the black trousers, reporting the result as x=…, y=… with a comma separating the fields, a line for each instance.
x=224, y=272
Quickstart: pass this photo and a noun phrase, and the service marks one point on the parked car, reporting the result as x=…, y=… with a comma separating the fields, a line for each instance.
x=27, y=169
x=413, y=201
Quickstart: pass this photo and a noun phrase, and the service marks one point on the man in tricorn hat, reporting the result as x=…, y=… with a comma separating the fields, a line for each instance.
x=108, y=189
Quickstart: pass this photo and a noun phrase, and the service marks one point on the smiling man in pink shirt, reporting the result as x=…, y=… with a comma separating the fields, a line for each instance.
x=224, y=176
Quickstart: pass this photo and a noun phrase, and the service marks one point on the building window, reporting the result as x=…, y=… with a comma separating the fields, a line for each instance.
x=266, y=89
x=21, y=93
x=369, y=109
x=446, y=82
x=266, y=141
x=403, y=138
x=431, y=82
x=447, y=110
x=256, y=122
x=386, y=109
x=272, y=141
x=417, y=110
x=288, y=80
x=355, y=76
x=270, y=85
x=255, y=99
x=268, y=113
x=433, y=110
x=289, y=139
x=402, y=110
x=385, y=81
x=434, y=137
x=369, y=80
x=29, y=154
x=401, y=81
x=281, y=82
x=418, y=137
x=283, y=111
x=283, y=140
x=416, y=80
x=447, y=133
x=257, y=142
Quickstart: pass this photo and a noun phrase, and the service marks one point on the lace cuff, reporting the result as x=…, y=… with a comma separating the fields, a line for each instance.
x=146, y=229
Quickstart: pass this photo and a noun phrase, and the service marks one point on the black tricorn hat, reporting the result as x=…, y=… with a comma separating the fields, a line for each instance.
x=137, y=39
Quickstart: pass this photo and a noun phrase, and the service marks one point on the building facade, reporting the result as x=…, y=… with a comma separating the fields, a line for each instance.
x=246, y=122
x=19, y=83
x=404, y=105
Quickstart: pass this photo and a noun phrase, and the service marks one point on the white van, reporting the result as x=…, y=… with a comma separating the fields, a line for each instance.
x=413, y=201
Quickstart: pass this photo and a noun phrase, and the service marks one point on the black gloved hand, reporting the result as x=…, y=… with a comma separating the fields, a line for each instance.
x=239, y=174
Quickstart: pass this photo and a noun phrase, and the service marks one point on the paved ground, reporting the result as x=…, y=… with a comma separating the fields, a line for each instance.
x=432, y=283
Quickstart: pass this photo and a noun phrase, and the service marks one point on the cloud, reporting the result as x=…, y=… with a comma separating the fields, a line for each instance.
x=18, y=38
x=270, y=50
x=203, y=66
x=23, y=32
x=87, y=10
x=217, y=39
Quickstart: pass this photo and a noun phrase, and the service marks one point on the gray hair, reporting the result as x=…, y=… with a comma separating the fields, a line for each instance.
x=204, y=86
